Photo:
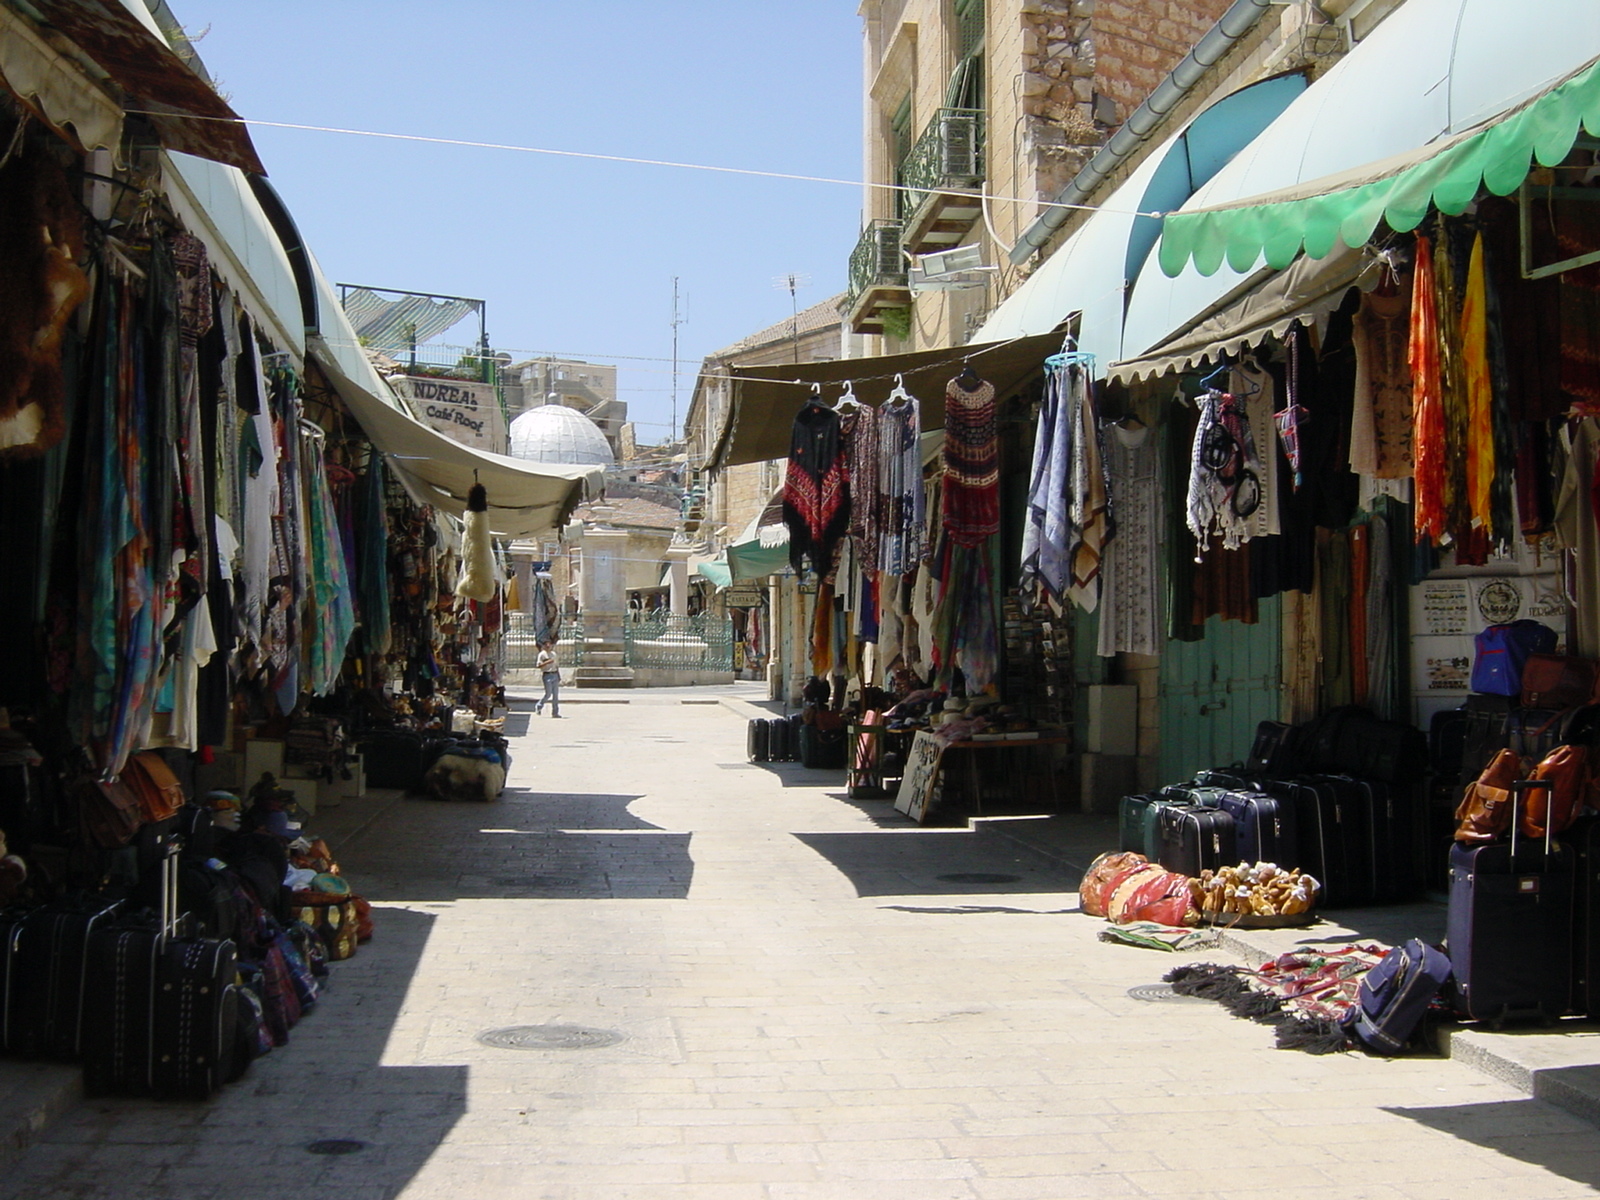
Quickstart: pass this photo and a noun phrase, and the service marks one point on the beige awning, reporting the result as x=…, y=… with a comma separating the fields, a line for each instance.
x=525, y=499
x=766, y=399
x=1268, y=304
x=55, y=87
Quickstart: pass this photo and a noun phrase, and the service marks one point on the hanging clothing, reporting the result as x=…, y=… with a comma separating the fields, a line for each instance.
x=971, y=510
x=1476, y=386
x=816, y=492
x=1091, y=503
x=1381, y=423
x=1427, y=398
x=1047, y=530
x=858, y=426
x=1289, y=418
x=1225, y=475
x=901, y=503
x=1257, y=389
x=1578, y=531
x=1130, y=584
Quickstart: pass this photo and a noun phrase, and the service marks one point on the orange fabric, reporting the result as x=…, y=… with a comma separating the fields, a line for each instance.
x=1427, y=400
x=1480, y=396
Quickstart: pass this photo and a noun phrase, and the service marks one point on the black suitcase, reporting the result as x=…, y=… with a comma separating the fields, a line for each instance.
x=1509, y=927
x=822, y=749
x=195, y=1018
x=1264, y=827
x=755, y=740
x=1130, y=821
x=1447, y=744
x=42, y=977
x=1584, y=839
x=1485, y=735
x=1195, y=839
x=393, y=758
x=1275, y=749
x=782, y=745
x=1332, y=836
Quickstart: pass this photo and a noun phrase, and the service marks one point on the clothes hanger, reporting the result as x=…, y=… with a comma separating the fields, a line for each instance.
x=848, y=400
x=816, y=395
x=1069, y=356
x=1222, y=369
x=899, y=392
x=969, y=380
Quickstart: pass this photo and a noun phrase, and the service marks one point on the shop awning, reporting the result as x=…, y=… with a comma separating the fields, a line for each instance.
x=716, y=570
x=1433, y=70
x=187, y=113
x=525, y=499
x=752, y=560
x=1090, y=272
x=1308, y=292
x=55, y=87
x=766, y=399
x=1345, y=208
x=216, y=203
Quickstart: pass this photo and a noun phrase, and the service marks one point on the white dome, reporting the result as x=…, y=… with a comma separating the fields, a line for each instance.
x=554, y=433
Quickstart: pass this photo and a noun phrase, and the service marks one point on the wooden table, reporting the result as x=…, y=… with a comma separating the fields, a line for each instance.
x=925, y=761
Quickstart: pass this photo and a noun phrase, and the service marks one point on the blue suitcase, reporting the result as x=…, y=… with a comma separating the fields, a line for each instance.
x=1264, y=826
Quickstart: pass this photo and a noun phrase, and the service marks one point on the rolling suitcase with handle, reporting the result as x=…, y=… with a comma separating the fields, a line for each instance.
x=1263, y=826
x=1195, y=839
x=42, y=976
x=1584, y=838
x=1330, y=833
x=1509, y=925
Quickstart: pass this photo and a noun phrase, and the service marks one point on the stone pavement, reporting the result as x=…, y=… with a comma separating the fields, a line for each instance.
x=732, y=982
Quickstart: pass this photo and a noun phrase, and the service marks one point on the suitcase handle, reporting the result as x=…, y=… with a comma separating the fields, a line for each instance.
x=1518, y=787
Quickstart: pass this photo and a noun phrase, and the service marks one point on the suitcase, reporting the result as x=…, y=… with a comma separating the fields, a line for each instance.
x=1509, y=927
x=1130, y=821
x=42, y=976
x=1331, y=834
x=1486, y=733
x=755, y=740
x=1351, y=740
x=1264, y=827
x=1275, y=749
x=1584, y=839
x=195, y=1018
x=1447, y=744
x=821, y=749
x=782, y=744
x=1195, y=839
x=393, y=758
x=1198, y=794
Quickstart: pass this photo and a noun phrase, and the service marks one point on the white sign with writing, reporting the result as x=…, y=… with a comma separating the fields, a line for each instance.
x=460, y=409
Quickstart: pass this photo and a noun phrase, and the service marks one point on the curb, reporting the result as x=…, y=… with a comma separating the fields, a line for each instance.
x=33, y=1096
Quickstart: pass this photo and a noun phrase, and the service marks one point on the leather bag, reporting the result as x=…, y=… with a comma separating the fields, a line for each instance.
x=108, y=812
x=1558, y=681
x=1570, y=776
x=152, y=781
x=1486, y=807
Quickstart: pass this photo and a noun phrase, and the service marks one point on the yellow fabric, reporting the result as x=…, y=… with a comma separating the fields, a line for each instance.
x=1479, y=394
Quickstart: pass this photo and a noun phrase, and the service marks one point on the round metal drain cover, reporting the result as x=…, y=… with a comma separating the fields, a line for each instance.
x=1160, y=991
x=978, y=877
x=549, y=1037
x=336, y=1146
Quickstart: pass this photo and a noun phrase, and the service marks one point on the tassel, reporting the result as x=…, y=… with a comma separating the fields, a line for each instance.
x=1314, y=1037
x=1258, y=1006
x=477, y=550
x=1208, y=981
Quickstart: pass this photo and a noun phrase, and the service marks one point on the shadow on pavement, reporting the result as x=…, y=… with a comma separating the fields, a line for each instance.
x=527, y=845
x=328, y=1084
x=927, y=862
x=1527, y=1130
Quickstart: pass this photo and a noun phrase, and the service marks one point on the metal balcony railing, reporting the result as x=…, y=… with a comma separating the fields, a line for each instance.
x=877, y=260
x=949, y=154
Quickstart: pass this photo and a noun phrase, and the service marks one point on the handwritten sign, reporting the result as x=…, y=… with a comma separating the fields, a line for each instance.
x=460, y=409
x=921, y=778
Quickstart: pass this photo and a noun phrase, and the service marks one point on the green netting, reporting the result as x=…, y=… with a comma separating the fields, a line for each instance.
x=1497, y=158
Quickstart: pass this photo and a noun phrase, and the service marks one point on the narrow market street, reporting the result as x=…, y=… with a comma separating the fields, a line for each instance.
x=743, y=985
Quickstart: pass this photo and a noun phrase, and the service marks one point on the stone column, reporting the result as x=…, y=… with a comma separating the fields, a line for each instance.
x=603, y=595
x=678, y=579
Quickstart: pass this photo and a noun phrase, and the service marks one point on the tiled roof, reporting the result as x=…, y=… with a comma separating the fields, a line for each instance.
x=634, y=513
x=809, y=320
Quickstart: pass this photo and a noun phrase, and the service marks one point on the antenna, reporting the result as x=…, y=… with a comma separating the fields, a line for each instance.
x=792, y=282
x=677, y=319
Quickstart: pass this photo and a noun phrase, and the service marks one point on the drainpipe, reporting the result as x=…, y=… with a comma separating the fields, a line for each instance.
x=1239, y=20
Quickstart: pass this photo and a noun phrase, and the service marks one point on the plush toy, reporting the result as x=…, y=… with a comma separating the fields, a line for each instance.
x=13, y=873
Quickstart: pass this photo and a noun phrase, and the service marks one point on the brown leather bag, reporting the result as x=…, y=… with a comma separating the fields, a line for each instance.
x=1486, y=806
x=1571, y=778
x=108, y=812
x=1558, y=681
x=148, y=776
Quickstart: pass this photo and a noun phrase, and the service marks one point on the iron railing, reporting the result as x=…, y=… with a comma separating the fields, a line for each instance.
x=522, y=648
x=668, y=642
x=877, y=260
x=472, y=363
x=949, y=154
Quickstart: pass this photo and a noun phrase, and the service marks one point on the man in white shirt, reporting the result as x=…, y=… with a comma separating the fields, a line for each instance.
x=551, y=670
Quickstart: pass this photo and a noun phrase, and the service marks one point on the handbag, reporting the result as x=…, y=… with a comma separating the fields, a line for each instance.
x=1485, y=809
x=1558, y=681
x=152, y=781
x=109, y=813
x=332, y=918
x=1501, y=651
x=1570, y=786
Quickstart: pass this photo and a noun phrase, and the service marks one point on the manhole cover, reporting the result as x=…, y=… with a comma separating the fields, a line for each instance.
x=1160, y=991
x=549, y=1037
x=336, y=1146
x=978, y=877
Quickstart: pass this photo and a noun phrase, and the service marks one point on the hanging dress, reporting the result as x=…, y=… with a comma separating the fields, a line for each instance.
x=901, y=503
x=816, y=493
x=966, y=621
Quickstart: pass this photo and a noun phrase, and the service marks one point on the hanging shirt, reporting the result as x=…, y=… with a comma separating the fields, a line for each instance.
x=902, y=511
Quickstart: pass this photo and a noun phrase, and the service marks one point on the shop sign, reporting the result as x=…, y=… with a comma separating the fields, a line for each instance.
x=462, y=410
x=744, y=595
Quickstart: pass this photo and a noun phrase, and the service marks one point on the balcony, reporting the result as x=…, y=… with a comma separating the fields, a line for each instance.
x=944, y=171
x=877, y=278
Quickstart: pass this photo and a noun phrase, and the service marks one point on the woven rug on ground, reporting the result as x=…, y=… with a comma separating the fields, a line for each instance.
x=1154, y=936
x=1303, y=994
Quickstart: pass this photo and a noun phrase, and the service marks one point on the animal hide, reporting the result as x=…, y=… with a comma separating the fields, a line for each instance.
x=42, y=282
x=477, y=550
x=465, y=777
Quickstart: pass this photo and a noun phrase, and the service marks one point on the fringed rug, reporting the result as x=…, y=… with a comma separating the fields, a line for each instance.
x=1303, y=994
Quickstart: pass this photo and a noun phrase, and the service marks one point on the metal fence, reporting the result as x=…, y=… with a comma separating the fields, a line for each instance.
x=522, y=649
x=670, y=642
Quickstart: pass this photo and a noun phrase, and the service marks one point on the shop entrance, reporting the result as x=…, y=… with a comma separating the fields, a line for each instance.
x=1215, y=691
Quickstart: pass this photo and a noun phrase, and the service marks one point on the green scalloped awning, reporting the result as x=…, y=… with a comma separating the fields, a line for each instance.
x=1316, y=215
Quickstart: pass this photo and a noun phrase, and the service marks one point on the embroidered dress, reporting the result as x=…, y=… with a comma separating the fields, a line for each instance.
x=971, y=464
x=1130, y=581
x=858, y=427
x=1380, y=424
x=816, y=492
x=901, y=503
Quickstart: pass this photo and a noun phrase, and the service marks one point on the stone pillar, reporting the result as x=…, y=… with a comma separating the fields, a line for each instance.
x=603, y=595
x=678, y=579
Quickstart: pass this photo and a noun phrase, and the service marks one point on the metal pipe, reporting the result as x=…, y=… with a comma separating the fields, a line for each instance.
x=1239, y=20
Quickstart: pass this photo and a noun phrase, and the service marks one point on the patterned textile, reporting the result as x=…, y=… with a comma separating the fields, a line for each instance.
x=1293, y=414
x=1256, y=388
x=816, y=489
x=1380, y=427
x=902, y=504
x=1319, y=984
x=971, y=464
x=859, y=429
x=1130, y=583
x=1047, y=530
x=1427, y=398
x=1090, y=505
x=1224, y=475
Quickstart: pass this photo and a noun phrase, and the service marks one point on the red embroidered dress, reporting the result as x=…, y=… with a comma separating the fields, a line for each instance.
x=816, y=489
x=971, y=464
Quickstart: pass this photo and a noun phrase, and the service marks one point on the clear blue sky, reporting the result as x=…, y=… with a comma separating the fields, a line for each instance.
x=574, y=257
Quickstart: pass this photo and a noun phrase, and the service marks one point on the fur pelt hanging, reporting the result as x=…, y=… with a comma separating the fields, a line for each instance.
x=477, y=549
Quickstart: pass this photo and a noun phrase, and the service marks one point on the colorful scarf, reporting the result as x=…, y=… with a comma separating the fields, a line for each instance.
x=1427, y=398
x=901, y=500
x=816, y=489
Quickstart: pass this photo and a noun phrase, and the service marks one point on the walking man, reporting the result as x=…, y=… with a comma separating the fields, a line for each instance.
x=551, y=669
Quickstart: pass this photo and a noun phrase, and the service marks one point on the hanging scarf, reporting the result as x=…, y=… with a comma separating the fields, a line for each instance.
x=816, y=489
x=1091, y=503
x=1224, y=474
x=1479, y=394
x=971, y=464
x=1293, y=414
x=858, y=427
x=1047, y=528
x=901, y=501
x=1427, y=399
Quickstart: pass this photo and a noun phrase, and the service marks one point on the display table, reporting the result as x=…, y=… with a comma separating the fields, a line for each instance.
x=920, y=786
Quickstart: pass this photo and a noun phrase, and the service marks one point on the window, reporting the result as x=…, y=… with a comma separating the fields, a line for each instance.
x=966, y=81
x=901, y=140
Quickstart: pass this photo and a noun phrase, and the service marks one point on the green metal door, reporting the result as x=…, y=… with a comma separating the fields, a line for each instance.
x=1214, y=692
